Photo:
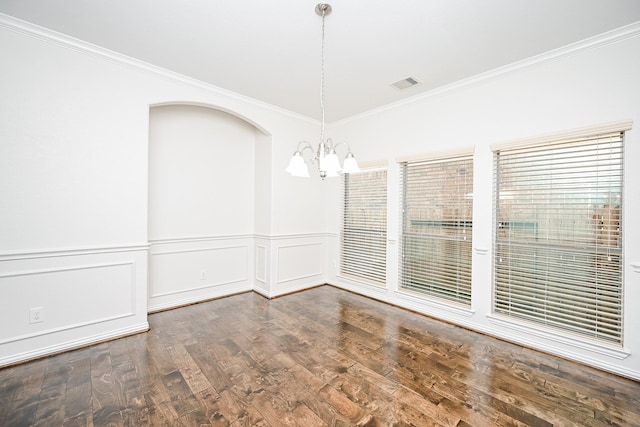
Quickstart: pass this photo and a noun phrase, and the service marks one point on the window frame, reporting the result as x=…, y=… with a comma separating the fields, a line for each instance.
x=440, y=289
x=364, y=263
x=549, y=328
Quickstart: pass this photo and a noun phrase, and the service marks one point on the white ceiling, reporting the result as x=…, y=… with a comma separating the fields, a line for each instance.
x=271, y=50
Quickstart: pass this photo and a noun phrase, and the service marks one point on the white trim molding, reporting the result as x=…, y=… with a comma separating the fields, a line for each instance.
x=563, y=338
x=601, y=129
x=419, y=303
x=438, y=155
x=595, y=42
x=66, y=252
x=59, y=39
x=107, y=284
x=309, y=274
x=193, y=269
x=73, y=344
x=194, y=239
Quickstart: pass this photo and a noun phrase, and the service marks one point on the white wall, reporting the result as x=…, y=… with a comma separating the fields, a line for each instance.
x=201, y=173
x=74, y=181
x=201, y=204
x=588, y=87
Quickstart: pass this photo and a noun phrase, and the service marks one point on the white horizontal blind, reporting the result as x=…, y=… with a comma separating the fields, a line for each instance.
x=363, y=238
x=558, y=240
x=437, y=207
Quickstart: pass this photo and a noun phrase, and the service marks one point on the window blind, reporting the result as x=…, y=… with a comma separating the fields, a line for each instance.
x=558, y=239
x=363, y=249
x=437, y=204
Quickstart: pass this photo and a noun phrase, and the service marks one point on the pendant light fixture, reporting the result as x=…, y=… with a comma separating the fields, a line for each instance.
x=325, y=155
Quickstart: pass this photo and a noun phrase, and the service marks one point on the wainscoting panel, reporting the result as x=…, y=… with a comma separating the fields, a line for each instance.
x=100, y=293
x=185, y=271
x=261, y=263
x=263, y=255
x=293, y=263
x=299, y=261
x=58, y=300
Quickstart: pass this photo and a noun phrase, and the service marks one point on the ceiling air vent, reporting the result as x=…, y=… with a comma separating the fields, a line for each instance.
x=405, y=83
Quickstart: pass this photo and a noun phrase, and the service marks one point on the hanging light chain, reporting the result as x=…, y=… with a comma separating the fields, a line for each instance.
x=325, y=156
x=322, y=77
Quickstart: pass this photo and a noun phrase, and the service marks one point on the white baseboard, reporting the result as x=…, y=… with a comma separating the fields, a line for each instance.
x=503, y=333
x=176, y=303
x=285, y=291
x=73, y=345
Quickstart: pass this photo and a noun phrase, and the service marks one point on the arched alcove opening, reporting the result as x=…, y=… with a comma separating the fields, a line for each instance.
x=202, y=202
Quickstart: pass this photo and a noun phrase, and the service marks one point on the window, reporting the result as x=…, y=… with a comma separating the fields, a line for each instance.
x=558, y=241
x=363, y=253
x=437, y=203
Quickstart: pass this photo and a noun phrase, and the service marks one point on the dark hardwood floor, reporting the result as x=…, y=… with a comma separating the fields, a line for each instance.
x=315, y=358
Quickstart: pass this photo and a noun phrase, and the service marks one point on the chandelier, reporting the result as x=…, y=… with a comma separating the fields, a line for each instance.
x=324, y=156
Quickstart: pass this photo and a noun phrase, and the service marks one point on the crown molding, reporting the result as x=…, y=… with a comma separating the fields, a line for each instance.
x=50, y=36
x=595, y=42
x=17, y=25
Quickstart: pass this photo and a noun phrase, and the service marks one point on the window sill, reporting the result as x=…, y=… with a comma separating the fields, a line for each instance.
x=444, y=305
x=358, y=281
x=562, y=337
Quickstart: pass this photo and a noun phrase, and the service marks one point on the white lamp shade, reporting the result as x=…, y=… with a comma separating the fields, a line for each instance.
x=297, y=166
x=332, y=164
x=350, y=164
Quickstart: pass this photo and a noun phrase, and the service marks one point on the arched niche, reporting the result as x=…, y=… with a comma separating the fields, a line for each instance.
x=242, y=117
x=203, y=166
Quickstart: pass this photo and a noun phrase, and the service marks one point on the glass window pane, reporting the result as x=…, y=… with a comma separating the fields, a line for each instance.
x=558, y=235
x=363, y=249
x=437, y=208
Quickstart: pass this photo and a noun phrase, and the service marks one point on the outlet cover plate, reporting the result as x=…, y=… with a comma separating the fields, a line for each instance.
x=36, y=315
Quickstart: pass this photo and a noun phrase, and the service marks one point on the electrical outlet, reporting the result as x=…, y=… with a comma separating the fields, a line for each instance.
x=203, y=274
x=36, y=315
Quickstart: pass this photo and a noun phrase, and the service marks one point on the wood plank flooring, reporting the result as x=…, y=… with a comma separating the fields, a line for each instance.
x=322, y=357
